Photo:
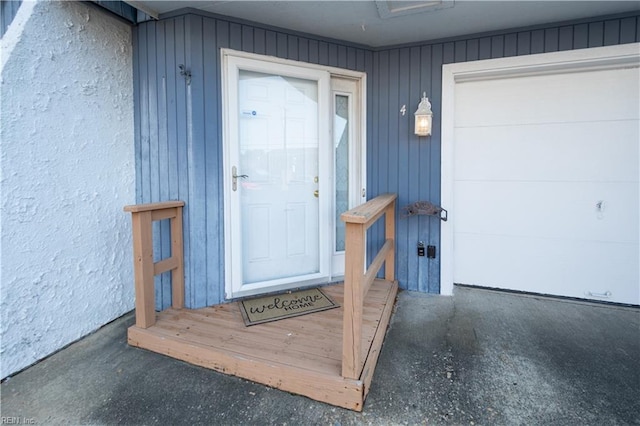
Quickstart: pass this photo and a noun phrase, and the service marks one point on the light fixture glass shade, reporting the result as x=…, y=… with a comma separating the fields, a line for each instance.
x=424, y=117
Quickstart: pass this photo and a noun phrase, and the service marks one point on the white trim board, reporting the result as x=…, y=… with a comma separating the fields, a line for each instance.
x=620, y=56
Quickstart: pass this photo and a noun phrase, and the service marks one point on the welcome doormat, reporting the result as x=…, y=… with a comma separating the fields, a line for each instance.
x=281, y=306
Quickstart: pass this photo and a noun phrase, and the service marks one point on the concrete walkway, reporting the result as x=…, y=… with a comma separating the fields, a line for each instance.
x=480, y=357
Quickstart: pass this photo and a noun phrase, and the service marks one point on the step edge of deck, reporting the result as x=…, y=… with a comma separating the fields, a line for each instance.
x=337, y=390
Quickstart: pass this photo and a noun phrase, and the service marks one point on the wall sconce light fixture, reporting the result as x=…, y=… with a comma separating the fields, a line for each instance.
x=424, y=117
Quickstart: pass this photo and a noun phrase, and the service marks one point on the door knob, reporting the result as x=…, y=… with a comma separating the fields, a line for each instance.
x=234, y=178
x=316, y=193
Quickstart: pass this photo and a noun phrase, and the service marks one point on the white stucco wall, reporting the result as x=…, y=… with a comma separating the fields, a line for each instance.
x=67, y=169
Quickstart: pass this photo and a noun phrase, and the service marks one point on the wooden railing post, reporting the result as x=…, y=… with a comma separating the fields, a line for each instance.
x=142, y=217
x=390, y=234
x=143, y=269
x=357, y=281
x=177, y=252
x=353, y=299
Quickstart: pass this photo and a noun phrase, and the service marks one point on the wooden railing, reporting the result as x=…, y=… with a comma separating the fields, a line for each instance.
x=357, y=282
x=145, y=269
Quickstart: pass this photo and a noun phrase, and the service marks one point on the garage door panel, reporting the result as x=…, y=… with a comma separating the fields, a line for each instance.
x=542, y=178
x=559, y=210
x=573, y=269
x=593, y=151
x=580, y=96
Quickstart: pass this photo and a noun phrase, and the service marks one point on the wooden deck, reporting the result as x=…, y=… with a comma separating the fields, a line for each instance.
x=329, y=356
x=302, y=355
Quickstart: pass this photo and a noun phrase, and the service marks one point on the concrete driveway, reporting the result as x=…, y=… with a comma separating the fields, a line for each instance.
x=479, y=357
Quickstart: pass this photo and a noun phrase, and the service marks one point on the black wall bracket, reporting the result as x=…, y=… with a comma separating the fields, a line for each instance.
x=185, y=73
x=425, y=208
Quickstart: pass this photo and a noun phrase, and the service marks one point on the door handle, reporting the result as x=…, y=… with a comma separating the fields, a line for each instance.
x=316, y=193
x=234, y=178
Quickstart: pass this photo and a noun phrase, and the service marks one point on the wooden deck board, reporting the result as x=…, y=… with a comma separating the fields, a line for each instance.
x=301, y=354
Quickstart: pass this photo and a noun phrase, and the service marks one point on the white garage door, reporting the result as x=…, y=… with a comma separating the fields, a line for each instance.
x=545, y=183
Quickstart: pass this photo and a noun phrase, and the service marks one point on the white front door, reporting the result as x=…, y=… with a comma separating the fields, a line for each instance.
x=278, y=155
x=294, y=160
x=278, y=176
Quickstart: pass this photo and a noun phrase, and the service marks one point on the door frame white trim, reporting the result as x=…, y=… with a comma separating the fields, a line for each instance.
x=225, y=54
x=619, y=56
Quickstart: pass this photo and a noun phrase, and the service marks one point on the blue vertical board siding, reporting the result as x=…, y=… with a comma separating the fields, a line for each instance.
x=271, y=41
x=484, y=48
x=378, y=171
x=235, y=36
x=171, y=160
x=581, y=36
x=393, y=140
x=282, y=45
x=247, y=38
x=119, y=8
x=360, y=60
x=197, y=166
x=628, y=30
x=596, y=34
x=611, y=33
x=551, y=40
x=163, y=247
x=137, y=118
x=153, y=135
x=173, y=171
x=313, y=51
x=160, y=146
x=342, y=57
x=537, y=41
x=260, y=42
x=303, y=50
x=181, y=109
x=565, y=41
x=332, y=55
x=440, y=55
x=8, y=11
x=292, y=48
x=448, y=53
x=323, y=53
x=510, y=45
x=145, y=115
x=460, y=51
x=524, y=43
x=473, y=50
x=179, y=126
x=415, y=87
x=497, y=47
x=405, y=75
x=420, y=191
x=213, y=160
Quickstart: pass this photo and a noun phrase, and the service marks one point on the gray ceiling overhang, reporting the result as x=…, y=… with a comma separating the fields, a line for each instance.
x=384, y=23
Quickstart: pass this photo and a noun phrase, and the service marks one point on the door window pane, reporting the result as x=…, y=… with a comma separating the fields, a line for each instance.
x=341, y=142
